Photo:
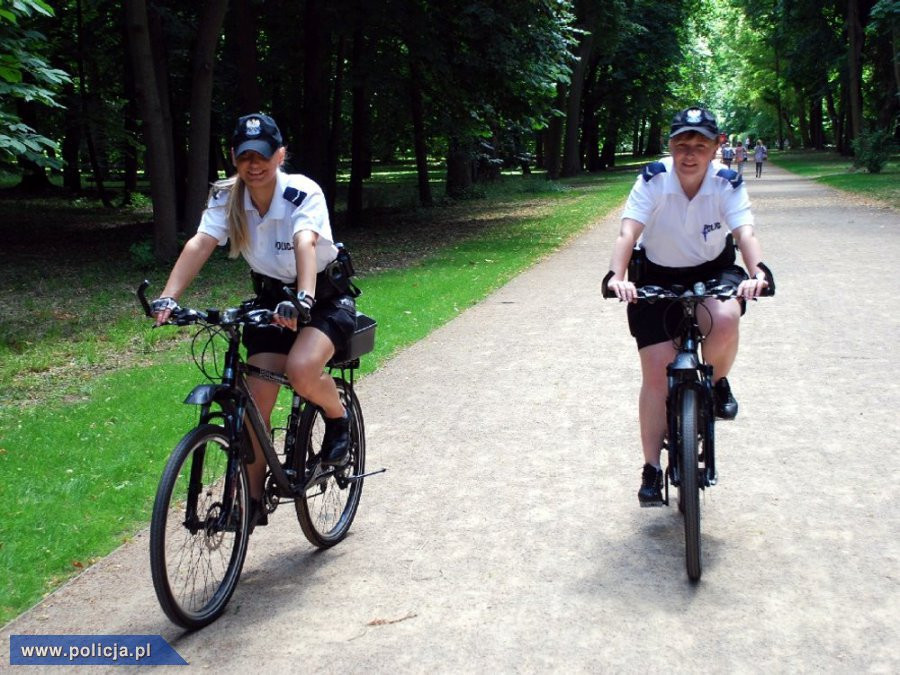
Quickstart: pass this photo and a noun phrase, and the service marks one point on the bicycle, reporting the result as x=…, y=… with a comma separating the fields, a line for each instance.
x=200, y=523
x=690, y=406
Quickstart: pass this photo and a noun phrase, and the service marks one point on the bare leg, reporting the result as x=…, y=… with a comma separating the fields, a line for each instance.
x=265, y=394
x=652, y=401
x=305, y=369
x=721, y=345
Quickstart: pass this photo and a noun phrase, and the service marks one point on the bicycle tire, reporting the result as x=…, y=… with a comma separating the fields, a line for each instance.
x=196, y=561
x=326, y=509
x=689, y=489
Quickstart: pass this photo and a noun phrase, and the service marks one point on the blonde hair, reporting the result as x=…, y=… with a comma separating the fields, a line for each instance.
x=238, y=235
x=238, y=229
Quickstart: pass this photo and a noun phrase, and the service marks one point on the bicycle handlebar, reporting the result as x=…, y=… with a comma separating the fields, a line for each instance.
x=185, y=316
x=699, y=290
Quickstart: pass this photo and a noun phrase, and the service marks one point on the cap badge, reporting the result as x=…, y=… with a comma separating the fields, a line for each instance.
x=693, y=116
x=252, y=127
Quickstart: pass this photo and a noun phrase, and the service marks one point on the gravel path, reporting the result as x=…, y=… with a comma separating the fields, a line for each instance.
x=506, y=533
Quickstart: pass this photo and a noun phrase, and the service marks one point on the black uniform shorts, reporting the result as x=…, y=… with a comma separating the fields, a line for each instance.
x=652, y=323
x=334, y=316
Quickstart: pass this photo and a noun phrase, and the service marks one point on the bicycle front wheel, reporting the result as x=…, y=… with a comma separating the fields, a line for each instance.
x=689, y=490
x=199, y=528
x=327, y=507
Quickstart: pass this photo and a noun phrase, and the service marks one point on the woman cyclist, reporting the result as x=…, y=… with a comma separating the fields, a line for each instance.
x=684, y=211
x=279, y=223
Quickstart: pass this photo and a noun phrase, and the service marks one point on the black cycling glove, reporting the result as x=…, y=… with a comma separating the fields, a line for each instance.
x=163, y=303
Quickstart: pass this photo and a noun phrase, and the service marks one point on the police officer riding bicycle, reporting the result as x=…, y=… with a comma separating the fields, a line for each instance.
x=684, y=213
x=279, y=223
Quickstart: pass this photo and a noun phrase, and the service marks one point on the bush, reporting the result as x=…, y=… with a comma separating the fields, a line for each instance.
x=873, y=149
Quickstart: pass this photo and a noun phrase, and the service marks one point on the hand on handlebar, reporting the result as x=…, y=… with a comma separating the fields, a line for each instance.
x=287, y=313
x=161, y=309
x=624, y=290
x=751, y=288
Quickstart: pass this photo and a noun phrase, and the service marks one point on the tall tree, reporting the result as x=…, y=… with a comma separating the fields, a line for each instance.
x=212, y=16
x=157, y=137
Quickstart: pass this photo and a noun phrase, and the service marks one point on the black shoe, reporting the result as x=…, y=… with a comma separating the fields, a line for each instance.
x=336, y=443
x=258, y=515
x=650, y=493
x=726, y=405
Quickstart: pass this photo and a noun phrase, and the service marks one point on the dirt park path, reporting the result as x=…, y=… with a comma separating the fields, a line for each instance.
x=506, y=534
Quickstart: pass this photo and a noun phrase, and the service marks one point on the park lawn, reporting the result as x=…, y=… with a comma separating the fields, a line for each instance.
x=81, y=467
x=834, y=170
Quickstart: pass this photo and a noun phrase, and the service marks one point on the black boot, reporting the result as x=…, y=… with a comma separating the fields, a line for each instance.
x=336, y=443
x=726, y=405
x=650, y=493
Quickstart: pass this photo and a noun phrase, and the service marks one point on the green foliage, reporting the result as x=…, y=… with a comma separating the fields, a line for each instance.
x=873, y=148
x=25, y=76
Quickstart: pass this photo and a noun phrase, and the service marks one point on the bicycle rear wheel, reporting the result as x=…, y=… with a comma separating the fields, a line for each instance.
x=199, y=528
x=327, y=508
x=689, y=490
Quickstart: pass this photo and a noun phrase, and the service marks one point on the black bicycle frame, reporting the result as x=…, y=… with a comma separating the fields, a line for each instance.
x=233, y=397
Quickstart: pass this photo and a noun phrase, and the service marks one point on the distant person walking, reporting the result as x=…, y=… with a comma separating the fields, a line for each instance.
x=740, y=156
x=760, y=153
x=727, y=154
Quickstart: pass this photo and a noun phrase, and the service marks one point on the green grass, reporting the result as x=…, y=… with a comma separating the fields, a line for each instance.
x=80, y=463
x=836, y=171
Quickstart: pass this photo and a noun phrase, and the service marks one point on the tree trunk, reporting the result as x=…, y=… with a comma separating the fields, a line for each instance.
x=610, y=142
x=459, y=168
x=159, y=160
x=201, y=103
x=654, y=136
x=816, y=128
x=803, y=124
x=592, y=137
x=314, y=133
x=553, y=136
x=158, y=53
x=854, y=67
x=245, y=35
x=571, y=156
x=778, y=104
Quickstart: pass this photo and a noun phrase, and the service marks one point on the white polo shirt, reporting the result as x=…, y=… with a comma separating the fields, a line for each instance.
x=682, y=232
x=298, y=204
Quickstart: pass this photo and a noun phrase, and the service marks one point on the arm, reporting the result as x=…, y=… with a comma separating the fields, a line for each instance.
x=305, y=257
x=305, y=254
x=192, y=258
x=629, y=232
x=751, y=252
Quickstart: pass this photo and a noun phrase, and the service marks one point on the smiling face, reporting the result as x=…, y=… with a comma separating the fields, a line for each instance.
x=691, y=154
x=255, y=170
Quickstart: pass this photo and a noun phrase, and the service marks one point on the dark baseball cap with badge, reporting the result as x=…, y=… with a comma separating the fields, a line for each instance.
x=696, y=119
x=256, y=132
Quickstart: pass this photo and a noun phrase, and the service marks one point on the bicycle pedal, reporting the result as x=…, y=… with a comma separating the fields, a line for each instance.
x=648, y=505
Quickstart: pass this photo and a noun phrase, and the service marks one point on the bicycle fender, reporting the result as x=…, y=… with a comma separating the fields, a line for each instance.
x=204, y=394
